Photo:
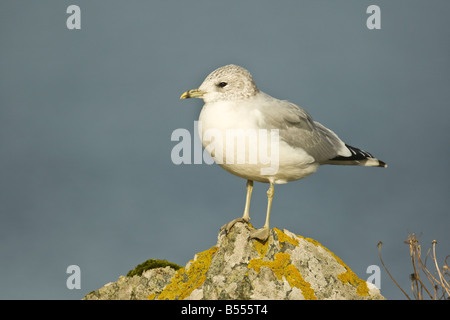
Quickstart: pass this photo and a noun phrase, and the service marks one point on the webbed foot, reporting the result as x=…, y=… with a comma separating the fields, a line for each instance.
x=260, y=234
x=230, y=224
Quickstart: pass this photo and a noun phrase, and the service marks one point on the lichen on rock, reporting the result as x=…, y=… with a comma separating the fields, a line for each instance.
x=189, y=278
x=151, y=264
x=287, y=266
x=137, y=287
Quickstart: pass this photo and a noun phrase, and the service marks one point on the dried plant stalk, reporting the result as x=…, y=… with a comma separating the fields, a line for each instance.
x=439, y=279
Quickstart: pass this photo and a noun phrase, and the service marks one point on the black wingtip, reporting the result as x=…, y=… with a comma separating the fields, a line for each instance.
x=358, y=157
x=356, y=154
x=382, y=164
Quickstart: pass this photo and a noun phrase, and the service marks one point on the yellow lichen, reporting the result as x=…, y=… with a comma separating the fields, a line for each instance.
x=283, y=237
x=261, y=248
x=282, y=267
x=348, y=276
x=352, y=278
x=188, y=279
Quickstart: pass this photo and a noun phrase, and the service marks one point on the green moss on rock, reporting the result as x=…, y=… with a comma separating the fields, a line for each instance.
x=151, y=264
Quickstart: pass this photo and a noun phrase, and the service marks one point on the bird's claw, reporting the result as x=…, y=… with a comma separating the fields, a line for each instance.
x=261, y=234
x=230, y=224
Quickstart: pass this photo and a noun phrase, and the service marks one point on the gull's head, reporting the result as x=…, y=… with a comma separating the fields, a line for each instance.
x=227, y=83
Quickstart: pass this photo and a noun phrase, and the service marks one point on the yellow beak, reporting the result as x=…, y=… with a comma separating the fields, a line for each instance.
x=194, y=93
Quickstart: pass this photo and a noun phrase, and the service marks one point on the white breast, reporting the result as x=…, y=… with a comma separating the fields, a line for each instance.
x=231, y=132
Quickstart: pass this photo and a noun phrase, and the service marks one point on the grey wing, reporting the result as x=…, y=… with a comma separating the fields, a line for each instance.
x=297, y=128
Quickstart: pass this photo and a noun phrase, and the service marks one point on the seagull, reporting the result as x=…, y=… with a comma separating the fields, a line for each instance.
x=234, y=106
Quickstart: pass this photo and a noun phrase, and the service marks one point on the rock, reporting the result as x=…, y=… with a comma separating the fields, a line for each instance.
x=151, y=264
x=137, y=287
x=287, y=266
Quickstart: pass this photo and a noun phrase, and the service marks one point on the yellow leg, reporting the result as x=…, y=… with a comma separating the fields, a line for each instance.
x=263, y=233
x=246, y=217
x=270, y=194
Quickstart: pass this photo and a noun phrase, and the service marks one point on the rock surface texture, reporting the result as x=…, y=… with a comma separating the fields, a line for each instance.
x=136, y=287
x=287, y=266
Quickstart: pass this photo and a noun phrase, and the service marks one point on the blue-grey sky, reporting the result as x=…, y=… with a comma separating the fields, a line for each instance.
x=86, y=118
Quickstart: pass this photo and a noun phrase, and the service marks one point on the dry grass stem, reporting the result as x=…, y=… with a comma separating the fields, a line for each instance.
x=438, y=279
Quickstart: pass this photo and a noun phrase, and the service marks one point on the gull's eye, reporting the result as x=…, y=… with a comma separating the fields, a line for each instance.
x=222, y=84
